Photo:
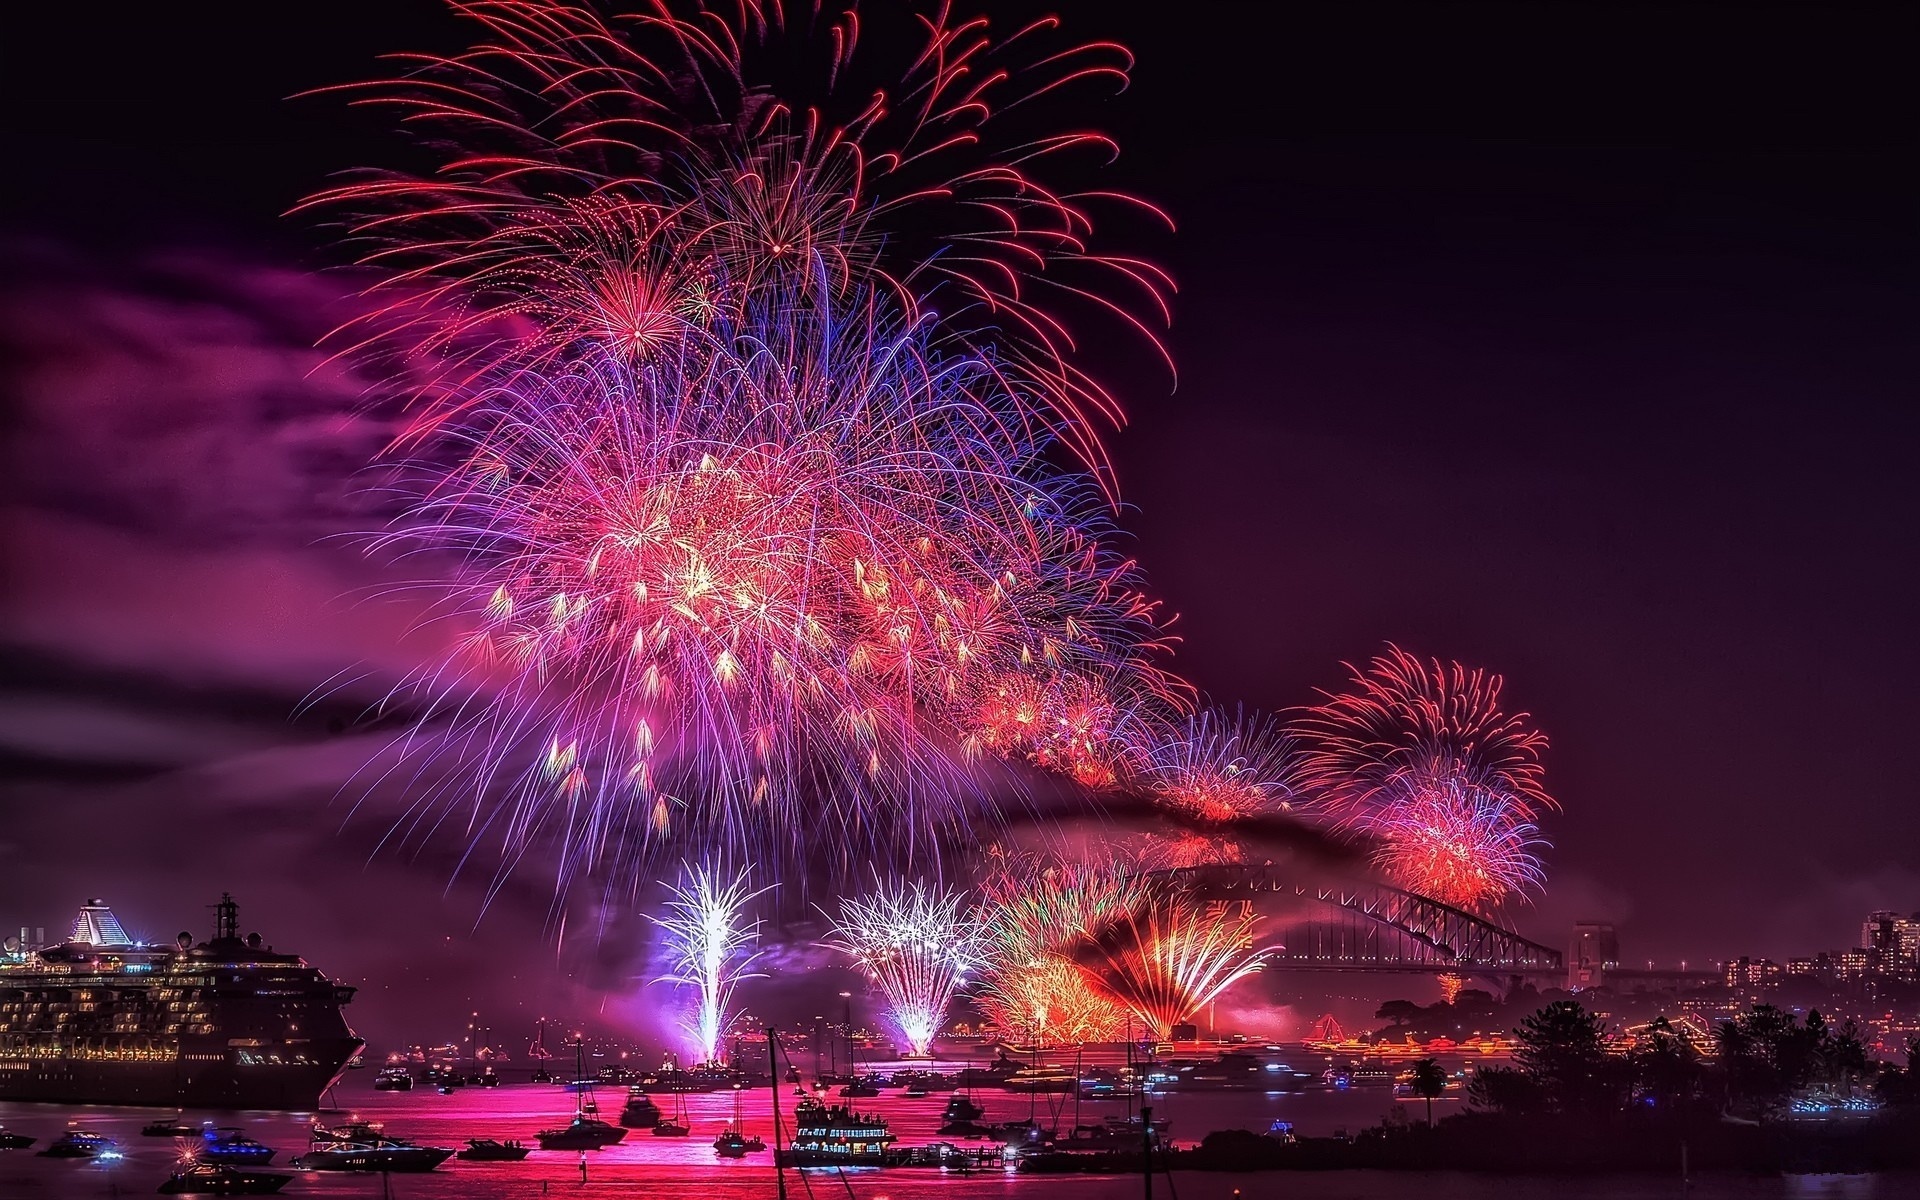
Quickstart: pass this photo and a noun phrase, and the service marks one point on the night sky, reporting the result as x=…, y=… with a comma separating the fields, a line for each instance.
x=1570, y=340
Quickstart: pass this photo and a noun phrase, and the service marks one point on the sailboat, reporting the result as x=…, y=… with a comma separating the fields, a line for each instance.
x=586, y=1131
x=676, y=1125
x=539, y=1053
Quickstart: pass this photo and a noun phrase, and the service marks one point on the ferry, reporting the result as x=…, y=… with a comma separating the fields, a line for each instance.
x=836, y=1137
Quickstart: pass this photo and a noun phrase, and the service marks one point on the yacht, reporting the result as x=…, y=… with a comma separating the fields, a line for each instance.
x=80, y=1143
x=359, y=1146
x=234, y=1148
x=640, y=1112
x=586, y=1131
x=490, y=1150
x=216, y=1179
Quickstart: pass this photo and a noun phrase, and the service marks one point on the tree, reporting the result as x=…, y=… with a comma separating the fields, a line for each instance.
x=1666, y=1067
x=1398, y=1011
x=1562, y=1048
x=1503, y=1089
x=1766, y=1055
x=1428, y=1080
x=1844, y=1058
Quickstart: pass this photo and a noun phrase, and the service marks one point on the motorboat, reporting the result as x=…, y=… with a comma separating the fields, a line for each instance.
x=172, y=1127
x=733, y=1144
x=581, y=1133
x=218, y=1179
x=231, y=1147
x=490, y=1150
x=393, y=1079
x=14, y=1141
x=640, y=1112
x=80, y=1143
x=362, y=1147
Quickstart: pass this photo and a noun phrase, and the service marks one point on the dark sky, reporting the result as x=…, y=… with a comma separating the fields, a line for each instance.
x=1571, y=340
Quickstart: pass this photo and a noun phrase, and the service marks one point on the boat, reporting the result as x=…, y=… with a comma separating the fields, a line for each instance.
x=393, y=1079
x=673, y=1079
x=585, y=1131
x=227, y=1023
x=859, y=1089
x=1234, y=1072
x=640, y=1112
x=80, y=1143
x=14, y=1141
x=359, y=1146
x=489, y=1079
x=232, y=1147
x=835, y=1137
x=538, y=1052
x=675, y=1126
x=733, y=1144
x=961, y=1118
x=581, y=1133
x=1041, y=1079
x=490, y=1150
x=173, y=1127
x=216, y=1179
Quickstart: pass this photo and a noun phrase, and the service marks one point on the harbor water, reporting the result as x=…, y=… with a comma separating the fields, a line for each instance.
x=644, y=1165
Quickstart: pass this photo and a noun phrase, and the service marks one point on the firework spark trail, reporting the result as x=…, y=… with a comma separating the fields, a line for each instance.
x=1031, y=916
x=1169, y=956
x=737, y=404
x=1221, y=768
x=1457, y=844
x=1422, y=758
x=710, y=943
x=759, y=585
x=598, y=174
x=918, y=944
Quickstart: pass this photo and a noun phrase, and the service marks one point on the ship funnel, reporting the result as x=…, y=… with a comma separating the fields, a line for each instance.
x=97, y=926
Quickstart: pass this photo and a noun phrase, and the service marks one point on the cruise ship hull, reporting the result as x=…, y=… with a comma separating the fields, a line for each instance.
x=207, y=1083
x=227, y=1023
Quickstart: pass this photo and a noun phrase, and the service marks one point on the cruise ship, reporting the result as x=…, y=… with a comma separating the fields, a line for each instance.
x=227, y=1023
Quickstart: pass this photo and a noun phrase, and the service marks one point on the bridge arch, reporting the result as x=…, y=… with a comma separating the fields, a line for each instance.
x=1365, y=925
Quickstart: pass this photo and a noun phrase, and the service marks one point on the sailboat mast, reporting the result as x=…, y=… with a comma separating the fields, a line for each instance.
x=773, y=1085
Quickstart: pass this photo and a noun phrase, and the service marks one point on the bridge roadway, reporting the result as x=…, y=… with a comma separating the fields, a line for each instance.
x=1365, y=925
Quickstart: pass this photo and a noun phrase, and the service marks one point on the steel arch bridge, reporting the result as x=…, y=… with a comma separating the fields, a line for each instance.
x=1371, y=926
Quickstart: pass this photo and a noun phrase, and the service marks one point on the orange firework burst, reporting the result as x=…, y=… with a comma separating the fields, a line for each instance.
x=1167, y=958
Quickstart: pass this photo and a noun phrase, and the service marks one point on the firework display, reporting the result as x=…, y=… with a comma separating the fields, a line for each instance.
x=1033, y=916
x=710, y=938
x=1221, y=768
x=1421, y=758
x=765, y=492
x=755, y=514
x=1168, y=956
x=917, y=944
x=605, y=176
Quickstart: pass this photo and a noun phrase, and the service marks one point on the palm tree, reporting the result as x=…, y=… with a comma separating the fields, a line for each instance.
x=1428, y=1079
